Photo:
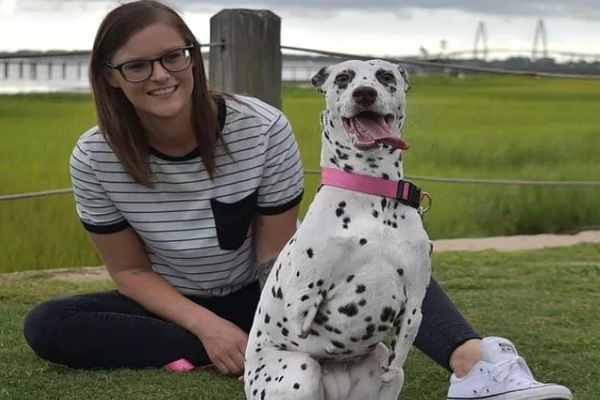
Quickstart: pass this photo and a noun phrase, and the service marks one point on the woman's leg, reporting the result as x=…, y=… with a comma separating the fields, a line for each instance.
x=109, y=330
x=443, y=328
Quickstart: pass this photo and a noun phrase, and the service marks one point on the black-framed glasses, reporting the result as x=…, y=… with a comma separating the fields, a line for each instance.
x=139, y=70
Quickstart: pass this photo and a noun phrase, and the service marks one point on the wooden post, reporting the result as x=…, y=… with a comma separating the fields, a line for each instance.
x=249, y=62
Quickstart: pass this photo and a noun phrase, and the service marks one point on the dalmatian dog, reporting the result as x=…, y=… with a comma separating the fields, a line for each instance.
x=355, y=273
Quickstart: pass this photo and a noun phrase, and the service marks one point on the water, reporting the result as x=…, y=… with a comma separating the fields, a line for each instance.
x=69, y=74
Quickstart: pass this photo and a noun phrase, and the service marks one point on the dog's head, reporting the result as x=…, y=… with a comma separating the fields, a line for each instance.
x=365, y=101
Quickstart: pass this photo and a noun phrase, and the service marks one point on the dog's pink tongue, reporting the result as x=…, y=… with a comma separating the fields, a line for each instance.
x=375, y=125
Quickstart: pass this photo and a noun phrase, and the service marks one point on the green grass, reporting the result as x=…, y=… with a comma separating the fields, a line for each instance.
x=544, y=301
x=478, y=127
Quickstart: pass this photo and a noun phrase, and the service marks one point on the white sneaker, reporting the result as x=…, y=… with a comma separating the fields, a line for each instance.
x=503, y=375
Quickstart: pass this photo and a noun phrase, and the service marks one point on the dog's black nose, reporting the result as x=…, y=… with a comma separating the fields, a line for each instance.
x=364, y=95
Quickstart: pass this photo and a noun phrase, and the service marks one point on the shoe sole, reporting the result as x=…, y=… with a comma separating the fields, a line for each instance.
x=555, y=393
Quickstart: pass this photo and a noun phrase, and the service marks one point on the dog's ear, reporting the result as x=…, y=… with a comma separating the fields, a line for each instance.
x=404, y=74
x=319, y=79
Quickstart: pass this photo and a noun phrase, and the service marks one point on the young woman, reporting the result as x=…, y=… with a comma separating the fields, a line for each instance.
x=187, y=194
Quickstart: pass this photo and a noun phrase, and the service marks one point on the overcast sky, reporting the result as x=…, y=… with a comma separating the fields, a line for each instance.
x=376, y=27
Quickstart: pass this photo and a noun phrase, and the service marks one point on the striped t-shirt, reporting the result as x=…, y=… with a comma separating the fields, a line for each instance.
x=197, y=232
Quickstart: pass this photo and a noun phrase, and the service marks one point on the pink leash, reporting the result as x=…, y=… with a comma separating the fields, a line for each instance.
x=183, y=365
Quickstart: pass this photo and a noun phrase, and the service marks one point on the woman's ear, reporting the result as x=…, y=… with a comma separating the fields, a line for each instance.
x=111, y=78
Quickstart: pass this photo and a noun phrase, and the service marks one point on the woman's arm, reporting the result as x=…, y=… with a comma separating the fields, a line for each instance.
x=129, y=267
x=271, y=233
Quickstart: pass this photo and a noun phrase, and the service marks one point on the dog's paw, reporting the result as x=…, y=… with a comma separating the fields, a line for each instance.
x=392, y=374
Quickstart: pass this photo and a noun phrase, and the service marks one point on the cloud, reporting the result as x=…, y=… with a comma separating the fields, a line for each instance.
x=578, y=9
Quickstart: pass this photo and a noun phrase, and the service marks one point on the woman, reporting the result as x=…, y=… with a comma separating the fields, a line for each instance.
x=186, y=194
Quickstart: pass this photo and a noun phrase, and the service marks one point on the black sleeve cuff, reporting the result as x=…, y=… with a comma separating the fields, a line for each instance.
x=281, y=208
x=106, y=229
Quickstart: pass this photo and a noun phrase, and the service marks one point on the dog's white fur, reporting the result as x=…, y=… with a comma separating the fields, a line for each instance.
x=355, y=272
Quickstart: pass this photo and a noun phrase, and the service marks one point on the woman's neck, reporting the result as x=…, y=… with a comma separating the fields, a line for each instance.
x=172, y=136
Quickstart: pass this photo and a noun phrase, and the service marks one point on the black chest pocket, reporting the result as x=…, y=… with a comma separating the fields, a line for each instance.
x=232, y=220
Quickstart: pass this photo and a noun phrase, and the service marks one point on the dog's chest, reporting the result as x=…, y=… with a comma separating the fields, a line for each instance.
x=346, y=254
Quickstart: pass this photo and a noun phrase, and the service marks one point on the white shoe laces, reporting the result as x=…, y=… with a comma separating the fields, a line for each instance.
x=501, y=371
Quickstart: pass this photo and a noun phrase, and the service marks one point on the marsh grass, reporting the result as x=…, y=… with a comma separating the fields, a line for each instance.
x=483, y=127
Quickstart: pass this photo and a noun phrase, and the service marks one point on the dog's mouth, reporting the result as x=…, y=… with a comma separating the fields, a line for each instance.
x=368, y=130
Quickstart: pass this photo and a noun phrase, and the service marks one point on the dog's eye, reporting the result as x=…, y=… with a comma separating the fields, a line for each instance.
x=342, y=79
x=388, y=77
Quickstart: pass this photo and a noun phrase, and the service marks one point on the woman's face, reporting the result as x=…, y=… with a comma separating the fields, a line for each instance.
x=157, y=89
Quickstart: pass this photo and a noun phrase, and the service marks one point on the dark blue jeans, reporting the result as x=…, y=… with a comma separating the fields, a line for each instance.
x=108, y=330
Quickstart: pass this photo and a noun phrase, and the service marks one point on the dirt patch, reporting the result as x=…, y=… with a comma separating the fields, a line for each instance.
x=500, y=243
x=516, y=243
x=83, y=274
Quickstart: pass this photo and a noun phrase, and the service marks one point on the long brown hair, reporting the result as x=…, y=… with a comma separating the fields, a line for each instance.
x=116, y=116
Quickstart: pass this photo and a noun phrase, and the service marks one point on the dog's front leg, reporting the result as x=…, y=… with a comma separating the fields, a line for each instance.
x=407, y=321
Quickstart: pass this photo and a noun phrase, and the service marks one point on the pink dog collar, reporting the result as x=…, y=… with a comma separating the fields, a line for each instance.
x=404, y=191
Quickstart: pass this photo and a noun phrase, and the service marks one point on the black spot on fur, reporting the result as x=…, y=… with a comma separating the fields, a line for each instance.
x=349, y=278
x=400, y=271
x=341, y=155
x=321, y=318
x=310, y=253
x=387, y=314
x=349, y=309
x=337, y=344
x=360, y=288
x=362, y=241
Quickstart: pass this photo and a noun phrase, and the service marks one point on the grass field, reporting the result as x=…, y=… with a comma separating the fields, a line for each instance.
x=478, y=127
x=544, y=301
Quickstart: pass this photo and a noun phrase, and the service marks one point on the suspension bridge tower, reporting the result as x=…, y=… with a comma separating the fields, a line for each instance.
x=481, y=40
x=540, y=42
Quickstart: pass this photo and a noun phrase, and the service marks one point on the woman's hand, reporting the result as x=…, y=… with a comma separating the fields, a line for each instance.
x=225, y=344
